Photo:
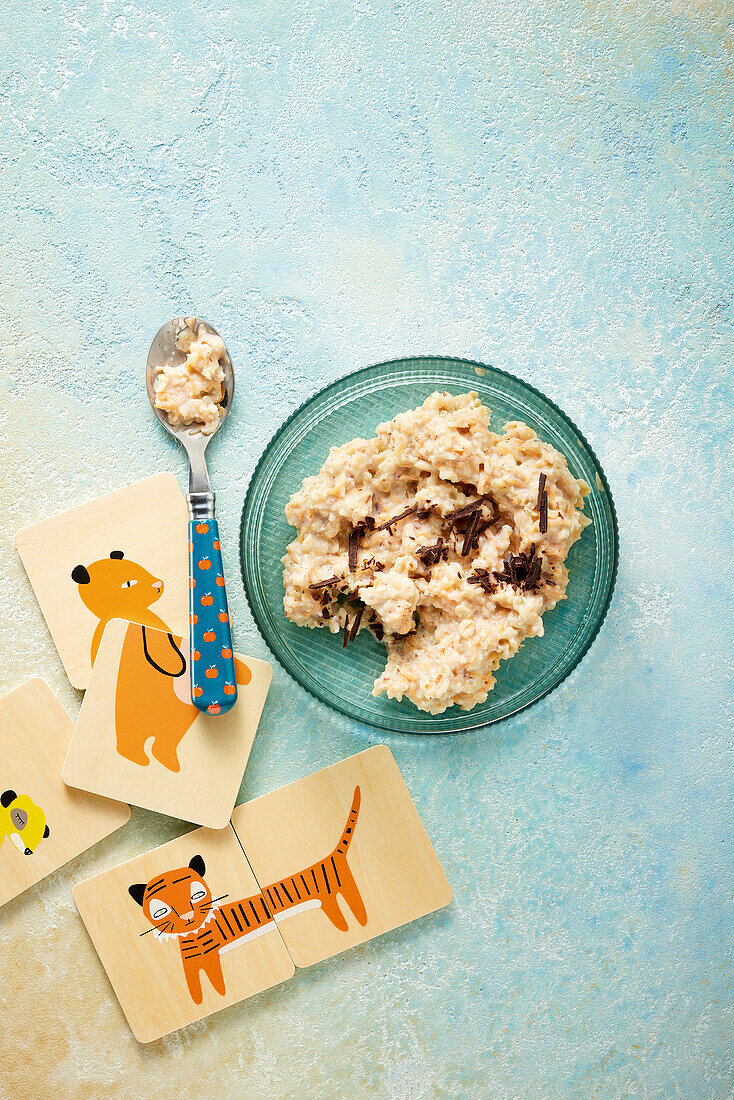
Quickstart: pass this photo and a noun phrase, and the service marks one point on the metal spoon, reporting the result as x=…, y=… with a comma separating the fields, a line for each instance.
x=212, y=670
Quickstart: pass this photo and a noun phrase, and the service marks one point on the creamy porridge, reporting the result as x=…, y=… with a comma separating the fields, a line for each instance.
x=190, y=392
x=446, y=540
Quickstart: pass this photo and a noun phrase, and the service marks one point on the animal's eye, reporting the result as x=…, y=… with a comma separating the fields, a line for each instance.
x=197, y=891
x=159, y=910
x=128, y=584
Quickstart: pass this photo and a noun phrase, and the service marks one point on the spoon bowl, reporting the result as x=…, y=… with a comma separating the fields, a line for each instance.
x=163, y=350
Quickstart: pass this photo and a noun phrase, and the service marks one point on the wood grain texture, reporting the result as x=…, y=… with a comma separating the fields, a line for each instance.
x=147, y=521
x=34, y=735
x=137, y=725
x=147, y=974
x=394, y=866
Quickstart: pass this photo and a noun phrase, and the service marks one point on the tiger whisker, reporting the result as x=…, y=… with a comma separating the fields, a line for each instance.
x=163, y=928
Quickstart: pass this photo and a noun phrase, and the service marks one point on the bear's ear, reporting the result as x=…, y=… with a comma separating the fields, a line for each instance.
x=80, y=575
x=137, y=891
x=46, y=832
x=6, y=798
x=117, y=554
x=196, y=863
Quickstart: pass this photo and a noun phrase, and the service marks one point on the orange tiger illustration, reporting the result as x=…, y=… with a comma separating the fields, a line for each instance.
x=179, y=904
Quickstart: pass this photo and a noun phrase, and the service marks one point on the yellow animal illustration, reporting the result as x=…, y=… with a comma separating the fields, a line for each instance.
x=22, y=821
x=152, y=696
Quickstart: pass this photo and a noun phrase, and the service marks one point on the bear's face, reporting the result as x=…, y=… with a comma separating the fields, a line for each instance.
x=23, y=822
x=113, y=588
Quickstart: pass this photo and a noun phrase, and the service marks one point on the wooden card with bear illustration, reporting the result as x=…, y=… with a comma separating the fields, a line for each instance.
x=139, y=736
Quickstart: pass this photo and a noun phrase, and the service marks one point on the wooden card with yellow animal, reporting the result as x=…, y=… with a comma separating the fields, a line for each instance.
x=195, y=929
x=139, y=736
x=43, y=824
x=122, y=556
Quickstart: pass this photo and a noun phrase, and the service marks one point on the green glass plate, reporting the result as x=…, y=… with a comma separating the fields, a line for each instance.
x=354, y=406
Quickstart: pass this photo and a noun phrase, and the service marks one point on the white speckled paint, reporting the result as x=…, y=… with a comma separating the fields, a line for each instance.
x=546, y=187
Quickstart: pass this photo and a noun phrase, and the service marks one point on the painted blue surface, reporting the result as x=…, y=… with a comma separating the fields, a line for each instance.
x=544, y=187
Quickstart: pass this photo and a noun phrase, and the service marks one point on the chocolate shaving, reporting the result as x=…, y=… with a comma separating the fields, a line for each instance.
x=484, y=580
x=543, y=513
x=466, y=511
x=432, y=554
x=369, y=523
x=378, y=630
x=471, y=532
x=482, y=527
x=323, y=584
x=355, y=625
x=533, y=574
x=354, y=535
x=400, y=515
x=521, y=571
x=346, y=632
x=541, y=489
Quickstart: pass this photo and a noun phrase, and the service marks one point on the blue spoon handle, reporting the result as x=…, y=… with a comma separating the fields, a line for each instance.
x=213, y=682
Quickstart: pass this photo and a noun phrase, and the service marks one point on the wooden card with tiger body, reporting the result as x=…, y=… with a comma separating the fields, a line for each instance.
x=139, y=736
x=43, y=824
x=340, y=857
x=122, y=556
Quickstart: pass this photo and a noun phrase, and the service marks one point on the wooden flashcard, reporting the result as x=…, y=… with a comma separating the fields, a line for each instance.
x=43, y=824
x=139, y=737
x=182, y=932
x=341, y=856
x=122, y=556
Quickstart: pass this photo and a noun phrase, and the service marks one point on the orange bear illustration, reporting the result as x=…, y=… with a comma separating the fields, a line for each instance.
x=152, y=697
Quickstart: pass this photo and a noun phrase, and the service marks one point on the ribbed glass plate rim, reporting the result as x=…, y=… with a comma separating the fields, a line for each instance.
x=407, y=370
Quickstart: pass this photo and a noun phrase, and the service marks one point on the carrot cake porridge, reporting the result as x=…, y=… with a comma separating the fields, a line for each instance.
x=444, y=539
x=189, y=389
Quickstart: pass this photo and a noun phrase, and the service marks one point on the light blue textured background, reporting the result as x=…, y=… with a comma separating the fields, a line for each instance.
x=546, y=187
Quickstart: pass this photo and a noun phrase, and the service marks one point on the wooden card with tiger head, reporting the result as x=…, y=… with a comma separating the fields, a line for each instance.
x=122, y=556
x=341, y=856
x=43, y=824
x=183, y=931
x=139, y=736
